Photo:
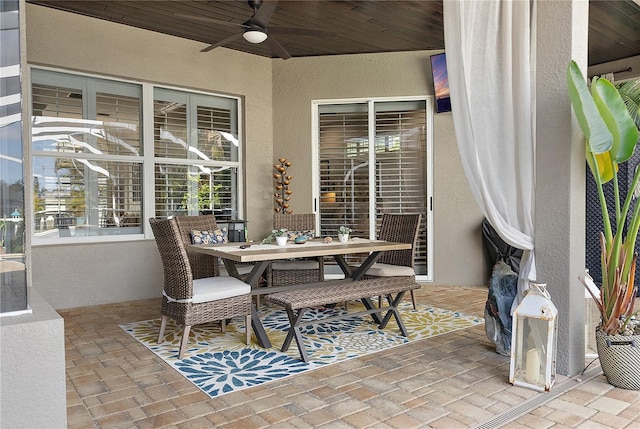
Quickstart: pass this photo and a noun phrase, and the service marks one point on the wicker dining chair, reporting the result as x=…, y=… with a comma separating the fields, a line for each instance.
x=399, y=228
x=190, y=301
x=297, y=271
x=201, y=265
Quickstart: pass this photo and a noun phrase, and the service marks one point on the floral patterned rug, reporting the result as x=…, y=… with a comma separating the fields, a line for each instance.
x=220, y=363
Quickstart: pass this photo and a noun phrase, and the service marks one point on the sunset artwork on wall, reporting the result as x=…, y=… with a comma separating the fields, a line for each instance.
x=441, y=82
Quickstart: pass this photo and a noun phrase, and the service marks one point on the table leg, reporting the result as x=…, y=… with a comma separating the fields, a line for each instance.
x=253, y=279
x=358, y=272
x=258, y=329
x=346, y=268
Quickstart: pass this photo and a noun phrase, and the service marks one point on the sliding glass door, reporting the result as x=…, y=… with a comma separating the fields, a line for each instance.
x=374, y=157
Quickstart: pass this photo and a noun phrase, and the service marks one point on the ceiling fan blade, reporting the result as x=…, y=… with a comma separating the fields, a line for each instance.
x=299, y=31
x=210, y=20
x=222, y=42
x=264, y=12
x=277, y=48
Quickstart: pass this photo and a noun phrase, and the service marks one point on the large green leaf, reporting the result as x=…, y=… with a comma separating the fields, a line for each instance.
x=593, y=127
x=617, y=119
x=630, y=93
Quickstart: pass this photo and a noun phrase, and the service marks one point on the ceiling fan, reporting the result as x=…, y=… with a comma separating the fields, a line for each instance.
x=254, y=30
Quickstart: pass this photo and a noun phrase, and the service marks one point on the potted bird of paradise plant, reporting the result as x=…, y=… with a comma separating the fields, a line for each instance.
x=611, y=136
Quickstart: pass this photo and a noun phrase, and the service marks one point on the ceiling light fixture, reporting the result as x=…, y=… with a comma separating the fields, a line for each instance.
x=254, y=36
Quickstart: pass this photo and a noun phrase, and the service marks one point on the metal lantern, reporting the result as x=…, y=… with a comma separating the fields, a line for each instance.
x=533, y=340
x=237, y=230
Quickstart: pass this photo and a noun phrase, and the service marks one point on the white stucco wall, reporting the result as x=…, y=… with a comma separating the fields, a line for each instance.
x=459, y=254
x=32, y=369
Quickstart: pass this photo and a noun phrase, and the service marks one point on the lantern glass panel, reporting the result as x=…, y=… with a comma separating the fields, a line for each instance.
x=531, y=365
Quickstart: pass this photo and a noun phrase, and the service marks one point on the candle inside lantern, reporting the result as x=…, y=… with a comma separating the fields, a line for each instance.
x=532, y=366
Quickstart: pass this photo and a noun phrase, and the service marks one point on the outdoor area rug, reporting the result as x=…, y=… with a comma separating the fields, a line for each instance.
x=220, y=363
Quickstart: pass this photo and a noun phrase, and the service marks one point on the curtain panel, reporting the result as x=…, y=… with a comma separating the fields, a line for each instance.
x=490, y=50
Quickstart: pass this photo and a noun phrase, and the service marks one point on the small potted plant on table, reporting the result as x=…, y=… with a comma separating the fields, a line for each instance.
x=343, y=233
x=281, y=236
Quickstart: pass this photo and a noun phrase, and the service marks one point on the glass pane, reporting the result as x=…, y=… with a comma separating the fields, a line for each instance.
x=401, y=166
x=215, y=130
x=344, y=174
x=63, y=120
x=67, y=135
x=13, y=274
x=13, y=285
x=81, y=197
x=82, y=129
x=170, y=129
x=184, y=189
x=216, y=137
x=119, y=131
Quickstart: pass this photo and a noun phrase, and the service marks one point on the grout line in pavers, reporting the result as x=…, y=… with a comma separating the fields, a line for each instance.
x=538, y=400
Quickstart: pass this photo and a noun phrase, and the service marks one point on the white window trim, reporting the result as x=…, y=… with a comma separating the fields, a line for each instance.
x=315, y=164
x=147, y=159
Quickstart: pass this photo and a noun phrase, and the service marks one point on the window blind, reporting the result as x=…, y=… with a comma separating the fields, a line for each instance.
x=87, y=163
x=399, y=171
x=196, y=149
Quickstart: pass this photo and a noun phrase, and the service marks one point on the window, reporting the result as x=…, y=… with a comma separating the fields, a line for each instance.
x=373, y=159
x=89, y=156
x=196, y=148
x=14, y=295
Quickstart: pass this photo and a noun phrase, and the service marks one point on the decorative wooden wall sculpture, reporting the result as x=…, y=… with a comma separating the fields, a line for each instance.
x=282, y=184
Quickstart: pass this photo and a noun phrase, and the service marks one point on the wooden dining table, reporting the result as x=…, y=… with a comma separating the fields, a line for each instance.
x=261, y=255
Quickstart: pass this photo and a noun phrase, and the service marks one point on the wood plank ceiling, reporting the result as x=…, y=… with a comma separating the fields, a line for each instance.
x=368, y=26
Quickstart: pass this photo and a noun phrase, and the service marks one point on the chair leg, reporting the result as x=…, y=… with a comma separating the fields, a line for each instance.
x=247, y=328
x=223, y=325
x=413, y=298
x=163, y=325
x=184, y=341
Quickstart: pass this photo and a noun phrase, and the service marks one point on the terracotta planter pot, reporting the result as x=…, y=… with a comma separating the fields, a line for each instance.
x=620, y=359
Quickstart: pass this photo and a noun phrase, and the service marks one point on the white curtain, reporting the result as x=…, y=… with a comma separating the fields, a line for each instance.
x=490, y=49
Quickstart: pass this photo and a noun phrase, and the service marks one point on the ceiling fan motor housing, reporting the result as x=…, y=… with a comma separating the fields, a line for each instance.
x=254, y=4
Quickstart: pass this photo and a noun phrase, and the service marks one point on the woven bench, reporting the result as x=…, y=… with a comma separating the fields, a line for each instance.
x=297, y=301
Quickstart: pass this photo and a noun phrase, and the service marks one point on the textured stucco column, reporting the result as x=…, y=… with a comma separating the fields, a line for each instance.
x=560, y=174
x=33, y=390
